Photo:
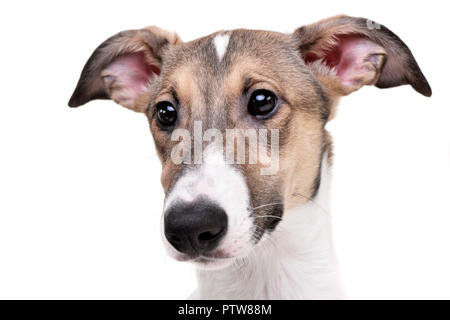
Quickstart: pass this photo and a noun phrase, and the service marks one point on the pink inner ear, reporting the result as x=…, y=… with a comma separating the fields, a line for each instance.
x=132, y=74
x=349, y=58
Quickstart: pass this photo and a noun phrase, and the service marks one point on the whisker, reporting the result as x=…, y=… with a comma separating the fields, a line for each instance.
x=268, y=216
x=266, y=205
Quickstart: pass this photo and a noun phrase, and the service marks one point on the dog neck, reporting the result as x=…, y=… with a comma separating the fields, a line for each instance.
x=297, y=261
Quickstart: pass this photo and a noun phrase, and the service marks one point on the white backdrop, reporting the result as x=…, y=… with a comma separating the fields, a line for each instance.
x=80, y=197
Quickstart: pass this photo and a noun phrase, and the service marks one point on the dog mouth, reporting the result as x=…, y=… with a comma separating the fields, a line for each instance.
x=206, y=261
x=219, y=255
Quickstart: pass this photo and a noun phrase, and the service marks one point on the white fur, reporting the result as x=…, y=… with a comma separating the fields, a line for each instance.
x=221, y=43
x=295, y=262
x=224, y=185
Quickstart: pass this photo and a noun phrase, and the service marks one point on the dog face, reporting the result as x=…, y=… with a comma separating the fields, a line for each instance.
x=207, y=97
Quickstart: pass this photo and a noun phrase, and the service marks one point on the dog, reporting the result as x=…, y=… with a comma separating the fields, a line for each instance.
x=251, y=235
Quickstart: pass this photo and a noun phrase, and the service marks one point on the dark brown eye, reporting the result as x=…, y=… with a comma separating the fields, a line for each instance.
x=262, y=102
x=166, y=113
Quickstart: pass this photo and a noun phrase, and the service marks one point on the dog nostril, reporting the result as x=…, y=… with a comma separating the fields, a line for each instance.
x=173, y=238
x=210, y=235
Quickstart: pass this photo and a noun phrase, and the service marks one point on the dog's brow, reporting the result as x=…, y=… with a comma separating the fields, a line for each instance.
x=173, y=93
x=247, y=83
x=171, y=90
x=251, y=80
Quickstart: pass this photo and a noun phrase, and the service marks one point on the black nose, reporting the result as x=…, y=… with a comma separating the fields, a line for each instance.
x=195, y=228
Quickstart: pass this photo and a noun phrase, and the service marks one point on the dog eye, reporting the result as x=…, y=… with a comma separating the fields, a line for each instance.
x=262, y=102
x=166, y=113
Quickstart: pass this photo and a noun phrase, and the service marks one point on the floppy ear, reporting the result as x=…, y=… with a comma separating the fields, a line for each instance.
x=123, y=67
x=346, y=53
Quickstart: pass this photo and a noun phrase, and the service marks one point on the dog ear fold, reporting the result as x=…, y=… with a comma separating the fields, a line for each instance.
x=346, y=53
x=123, y=67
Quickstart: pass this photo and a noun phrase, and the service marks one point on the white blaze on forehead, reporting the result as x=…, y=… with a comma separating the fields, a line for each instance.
x=221, y=44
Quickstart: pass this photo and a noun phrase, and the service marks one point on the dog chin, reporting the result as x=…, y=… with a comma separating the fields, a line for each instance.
x=204, y=262
x=211, y=263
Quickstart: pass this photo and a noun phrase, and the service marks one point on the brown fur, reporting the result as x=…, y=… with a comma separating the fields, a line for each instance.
x=216, y=92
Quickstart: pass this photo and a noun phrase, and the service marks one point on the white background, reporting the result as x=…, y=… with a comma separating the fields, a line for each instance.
x=80, y=197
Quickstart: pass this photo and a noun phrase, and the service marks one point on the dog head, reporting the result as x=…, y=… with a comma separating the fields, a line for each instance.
x=272, y=93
